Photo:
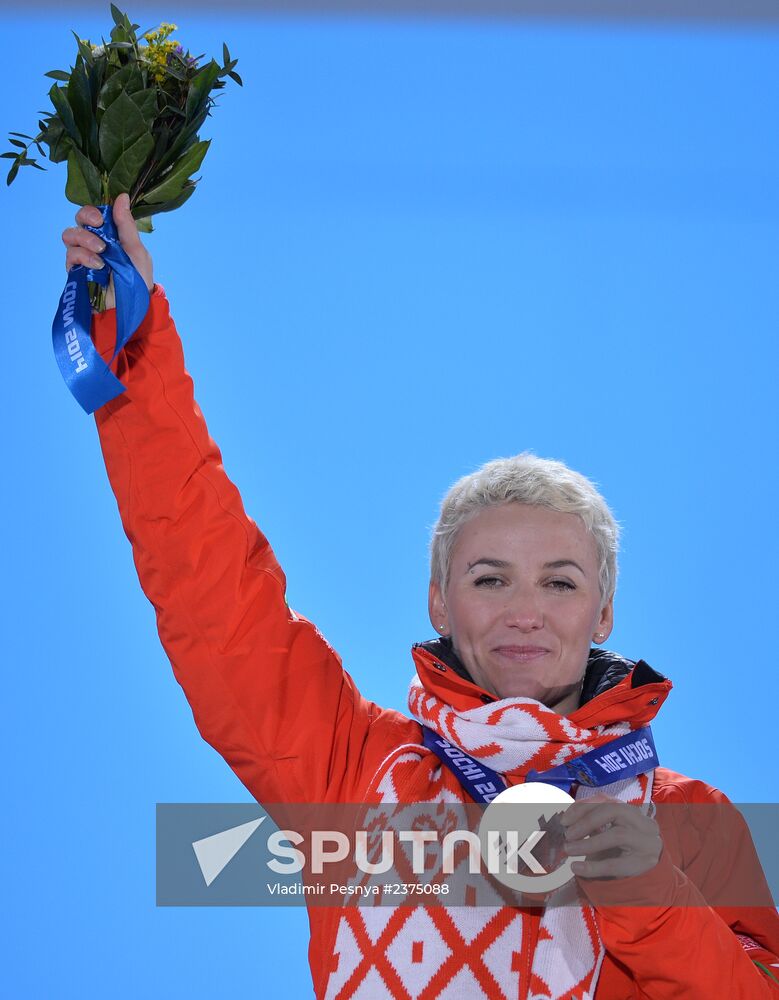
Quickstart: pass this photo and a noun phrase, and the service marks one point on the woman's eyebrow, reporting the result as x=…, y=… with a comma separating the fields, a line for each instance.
x=559, y=563
x=503, y=564
x=496, y=563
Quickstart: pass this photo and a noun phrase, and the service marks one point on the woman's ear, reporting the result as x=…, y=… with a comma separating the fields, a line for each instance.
x=437, y=609
x=605, y=621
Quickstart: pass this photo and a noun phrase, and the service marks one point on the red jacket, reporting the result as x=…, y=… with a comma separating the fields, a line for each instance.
x=261, y=679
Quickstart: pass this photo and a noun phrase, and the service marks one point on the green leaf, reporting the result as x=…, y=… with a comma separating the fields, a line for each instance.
x=93, y=145
x=22, y=135
x=146, y=102
x=119, y=34
x=16, y=142
x=9, y=156
x=171, y=109
x=58, y=74
x=225, y=53
x=80, y=100
x=128, y=78
x=12, y=173
x=170, y=70
x=83, y=187
x=127, y=168
x=96, y=78
x=186, y=137
x=162, y=138
x=120, y=127
x=84, y=50
x=234, y=76
x=58, y=141
x=201, y=86
x=59, y=99
x=168, y=206
x=117, y=15
x=144, y=225
x=181, y=170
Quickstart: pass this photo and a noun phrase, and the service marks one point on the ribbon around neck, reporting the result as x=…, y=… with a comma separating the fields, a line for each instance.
x=88, y=377
x=624, y=756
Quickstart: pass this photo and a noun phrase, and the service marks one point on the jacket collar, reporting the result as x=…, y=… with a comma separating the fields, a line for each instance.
x=615, y=688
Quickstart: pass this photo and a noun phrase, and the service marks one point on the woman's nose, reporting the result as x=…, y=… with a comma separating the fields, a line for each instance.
x=525, y=614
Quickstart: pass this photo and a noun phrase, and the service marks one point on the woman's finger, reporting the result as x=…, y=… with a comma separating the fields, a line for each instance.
x=88, y=215
x=622, y=867
x=81, y=255
x=584, y=822
x=615, y=837
x=74, y=237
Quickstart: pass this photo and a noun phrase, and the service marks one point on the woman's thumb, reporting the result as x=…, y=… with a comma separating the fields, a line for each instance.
x=125, y=223
x=129, y=239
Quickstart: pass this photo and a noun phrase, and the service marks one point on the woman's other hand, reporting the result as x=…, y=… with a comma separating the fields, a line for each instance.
x=616, y=839
x=85, y=247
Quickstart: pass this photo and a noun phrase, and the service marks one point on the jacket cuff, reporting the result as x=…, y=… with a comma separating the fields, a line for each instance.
x=104, y=326
x=659, y=887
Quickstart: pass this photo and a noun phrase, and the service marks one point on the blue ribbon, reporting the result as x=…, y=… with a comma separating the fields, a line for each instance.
x=479, y=781
x=623, y=757
x=85, y=373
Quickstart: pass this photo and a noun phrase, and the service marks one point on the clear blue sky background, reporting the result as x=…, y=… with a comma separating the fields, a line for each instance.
x=417, y=245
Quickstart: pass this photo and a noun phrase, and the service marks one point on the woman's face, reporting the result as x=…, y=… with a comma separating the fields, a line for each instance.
x=523, y=603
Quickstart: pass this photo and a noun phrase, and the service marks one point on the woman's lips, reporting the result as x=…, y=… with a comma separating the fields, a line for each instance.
x=521, y=654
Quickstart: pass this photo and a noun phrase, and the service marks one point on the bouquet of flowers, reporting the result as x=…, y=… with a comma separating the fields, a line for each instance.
x=126, y=118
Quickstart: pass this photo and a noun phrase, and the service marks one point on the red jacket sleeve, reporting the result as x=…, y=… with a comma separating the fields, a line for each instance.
x=265, y=688
x=680, y=945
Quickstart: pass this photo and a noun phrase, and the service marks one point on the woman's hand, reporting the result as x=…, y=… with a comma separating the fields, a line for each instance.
x=84, y=247
x=621, y=840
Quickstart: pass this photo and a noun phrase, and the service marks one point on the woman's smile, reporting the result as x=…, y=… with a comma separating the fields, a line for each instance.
x=521, y=654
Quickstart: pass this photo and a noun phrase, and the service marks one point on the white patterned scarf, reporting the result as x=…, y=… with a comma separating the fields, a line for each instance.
x=465, y=952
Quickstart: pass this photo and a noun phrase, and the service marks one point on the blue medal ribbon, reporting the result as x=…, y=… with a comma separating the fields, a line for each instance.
x=88, y=377
x=479, y=781
x=623, y=757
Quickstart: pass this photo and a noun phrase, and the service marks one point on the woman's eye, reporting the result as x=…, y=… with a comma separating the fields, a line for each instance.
x=487, y=581
x=561, y=585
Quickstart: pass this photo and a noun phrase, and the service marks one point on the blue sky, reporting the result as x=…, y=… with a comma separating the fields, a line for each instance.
x=417, y=245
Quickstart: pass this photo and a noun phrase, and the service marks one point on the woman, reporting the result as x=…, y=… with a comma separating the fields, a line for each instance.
x=522, y=584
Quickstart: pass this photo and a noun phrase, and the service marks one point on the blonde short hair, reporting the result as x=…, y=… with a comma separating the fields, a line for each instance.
x=526, y=479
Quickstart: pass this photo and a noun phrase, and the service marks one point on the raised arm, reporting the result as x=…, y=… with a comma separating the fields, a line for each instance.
x=266, y=689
